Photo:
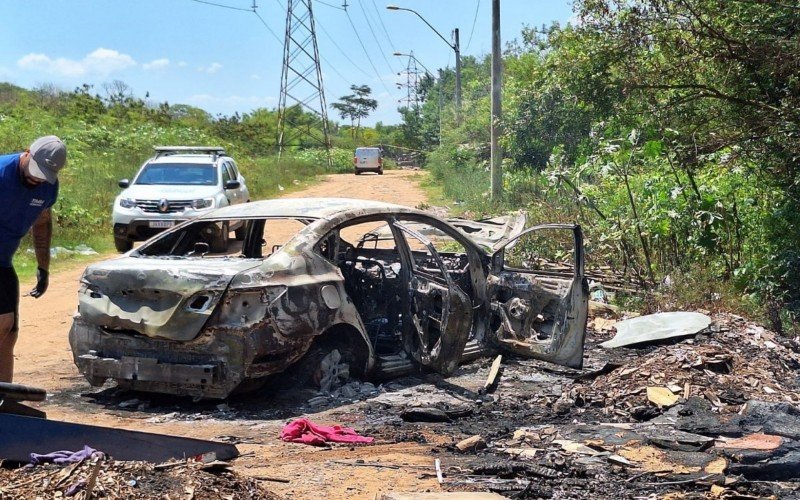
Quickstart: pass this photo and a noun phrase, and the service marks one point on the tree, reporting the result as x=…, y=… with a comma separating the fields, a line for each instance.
x=356, y=106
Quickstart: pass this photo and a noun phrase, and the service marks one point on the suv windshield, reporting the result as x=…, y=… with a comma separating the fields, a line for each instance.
x=178, y=173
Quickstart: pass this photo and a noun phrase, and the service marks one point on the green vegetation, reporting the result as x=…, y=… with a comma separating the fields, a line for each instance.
x=670, y=129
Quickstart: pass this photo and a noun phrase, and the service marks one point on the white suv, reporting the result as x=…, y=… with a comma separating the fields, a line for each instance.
x=177, y=184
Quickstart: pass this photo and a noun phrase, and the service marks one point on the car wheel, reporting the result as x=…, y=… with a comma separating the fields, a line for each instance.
x=380, y=172
x=357, y=172
x=325, y=368
x=220, y=243
x=240, y=232
x=122, y=244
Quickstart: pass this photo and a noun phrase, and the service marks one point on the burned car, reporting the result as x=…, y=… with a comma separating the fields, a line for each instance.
x=336, y=286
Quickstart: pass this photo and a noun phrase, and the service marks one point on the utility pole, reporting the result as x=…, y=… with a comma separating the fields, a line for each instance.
x=301, y=74
x=497, y=110
x=457, y=49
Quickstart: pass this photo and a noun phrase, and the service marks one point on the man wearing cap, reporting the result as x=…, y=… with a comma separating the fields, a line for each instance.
x=28, y=188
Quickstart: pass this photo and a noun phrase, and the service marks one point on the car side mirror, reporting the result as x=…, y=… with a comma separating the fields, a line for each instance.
x=123, y=183
x=232, y=184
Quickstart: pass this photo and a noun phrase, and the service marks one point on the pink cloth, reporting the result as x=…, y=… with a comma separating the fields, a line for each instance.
x=304, y=431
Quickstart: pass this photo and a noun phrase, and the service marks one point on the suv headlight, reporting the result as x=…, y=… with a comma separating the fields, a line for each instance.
x=127, y=203
x=203, y=203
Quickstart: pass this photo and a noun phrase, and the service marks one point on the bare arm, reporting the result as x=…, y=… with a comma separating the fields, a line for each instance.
x=42, y=231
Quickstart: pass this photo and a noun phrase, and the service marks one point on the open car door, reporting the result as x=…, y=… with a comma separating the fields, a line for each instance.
x=437, y=318
x=539, y=296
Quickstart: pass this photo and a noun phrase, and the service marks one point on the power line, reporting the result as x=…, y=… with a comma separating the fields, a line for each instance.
x=330, y=5
x=325, y=32
x=221, y=5
x=380, y=47
x=380, y=18
x=361, y=42
x=267, y=26
x=473, y=24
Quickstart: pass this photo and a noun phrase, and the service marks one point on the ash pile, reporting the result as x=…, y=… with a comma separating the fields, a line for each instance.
x=713, y=413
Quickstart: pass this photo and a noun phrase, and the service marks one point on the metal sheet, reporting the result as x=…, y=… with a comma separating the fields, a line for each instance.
x=20, y=436
x=658, y=326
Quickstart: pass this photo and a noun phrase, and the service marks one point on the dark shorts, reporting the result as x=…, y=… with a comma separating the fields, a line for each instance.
x=9, y=290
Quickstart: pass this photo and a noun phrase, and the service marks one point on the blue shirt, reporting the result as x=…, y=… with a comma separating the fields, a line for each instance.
x=20, y=206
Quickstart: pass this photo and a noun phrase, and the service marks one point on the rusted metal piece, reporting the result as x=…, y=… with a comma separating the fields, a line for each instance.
x=409, y=289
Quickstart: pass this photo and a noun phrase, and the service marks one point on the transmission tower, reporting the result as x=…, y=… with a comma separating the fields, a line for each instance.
x=412, y=82
x=301, y=76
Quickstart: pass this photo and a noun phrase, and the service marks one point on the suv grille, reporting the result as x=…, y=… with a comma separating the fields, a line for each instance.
x=173, y=206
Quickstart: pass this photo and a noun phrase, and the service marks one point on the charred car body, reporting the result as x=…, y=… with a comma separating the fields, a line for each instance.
x=389, y=288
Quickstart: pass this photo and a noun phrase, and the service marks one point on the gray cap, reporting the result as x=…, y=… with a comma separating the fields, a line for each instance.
x=48, y=156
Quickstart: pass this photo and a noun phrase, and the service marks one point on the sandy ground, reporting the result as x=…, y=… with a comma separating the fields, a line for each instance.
x=43, y=359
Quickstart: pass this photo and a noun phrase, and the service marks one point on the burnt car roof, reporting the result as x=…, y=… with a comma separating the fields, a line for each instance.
x=316, y=208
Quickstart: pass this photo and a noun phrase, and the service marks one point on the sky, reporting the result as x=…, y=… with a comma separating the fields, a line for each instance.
x=221, y=56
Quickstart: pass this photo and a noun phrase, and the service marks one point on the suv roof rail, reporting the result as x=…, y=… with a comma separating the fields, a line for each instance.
x=172, y=150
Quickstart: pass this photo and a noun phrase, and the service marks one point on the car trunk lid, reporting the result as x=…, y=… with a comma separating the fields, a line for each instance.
x=162, y=298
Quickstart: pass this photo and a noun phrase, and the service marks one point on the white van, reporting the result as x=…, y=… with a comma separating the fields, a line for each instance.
x=368, y=160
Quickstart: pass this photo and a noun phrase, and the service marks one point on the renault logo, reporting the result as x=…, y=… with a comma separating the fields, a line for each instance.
x=163, y=206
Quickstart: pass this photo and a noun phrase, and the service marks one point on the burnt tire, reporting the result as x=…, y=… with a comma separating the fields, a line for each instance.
x=122, y=244
x=220, y=243
x=250, y=385
x=307, y=372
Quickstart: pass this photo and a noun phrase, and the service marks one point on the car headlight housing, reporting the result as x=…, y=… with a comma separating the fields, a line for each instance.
x=127, y=203
x=203, y=203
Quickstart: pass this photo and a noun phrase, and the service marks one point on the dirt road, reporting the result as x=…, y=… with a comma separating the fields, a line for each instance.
x=43, y=359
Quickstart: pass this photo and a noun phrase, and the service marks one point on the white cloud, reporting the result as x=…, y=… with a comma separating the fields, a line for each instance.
x=156, y=64
x=255, y=77
x=211, y=68
x=99, y=62
x=182, y=64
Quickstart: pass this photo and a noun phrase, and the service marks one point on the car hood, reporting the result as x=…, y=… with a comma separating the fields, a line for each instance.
x=161, y=298
x=170, y=192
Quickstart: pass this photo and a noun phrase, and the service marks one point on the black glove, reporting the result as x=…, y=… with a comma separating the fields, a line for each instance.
x=42, y=280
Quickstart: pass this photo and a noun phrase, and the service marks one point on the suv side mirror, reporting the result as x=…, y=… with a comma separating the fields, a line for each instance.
x=123, y=183
x=232, y=184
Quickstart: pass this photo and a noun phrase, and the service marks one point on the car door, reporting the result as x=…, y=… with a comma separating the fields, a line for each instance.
x=437, y=316
x=225, y=173
x=539, y=296
x=242, y=193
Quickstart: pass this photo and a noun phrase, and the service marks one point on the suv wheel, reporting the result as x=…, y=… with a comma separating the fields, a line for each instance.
x=122, y=244
x=220, y=243
x=241, y=232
